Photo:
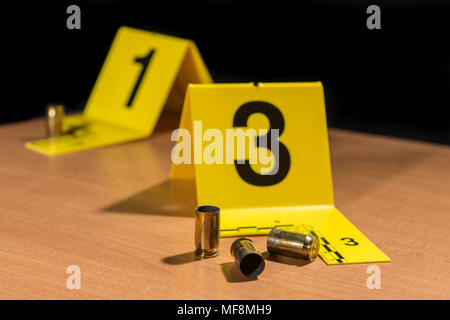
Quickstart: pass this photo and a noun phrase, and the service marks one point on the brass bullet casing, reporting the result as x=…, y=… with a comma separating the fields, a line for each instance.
x=251, y=263
x=55, y=117
x=293, y=244
x=207, y=231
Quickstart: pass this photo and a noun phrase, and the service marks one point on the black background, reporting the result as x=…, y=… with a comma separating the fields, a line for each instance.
x=392, y=81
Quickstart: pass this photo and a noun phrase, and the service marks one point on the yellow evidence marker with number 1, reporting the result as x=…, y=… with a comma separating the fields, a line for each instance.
x=143, y=73
x=299, y=197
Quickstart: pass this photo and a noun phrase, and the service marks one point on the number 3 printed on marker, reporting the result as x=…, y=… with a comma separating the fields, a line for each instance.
x=350, y=242
x=276, y=122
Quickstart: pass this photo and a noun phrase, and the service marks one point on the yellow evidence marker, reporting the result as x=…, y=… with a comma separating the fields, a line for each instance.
x=143, y=73
x=299, y=196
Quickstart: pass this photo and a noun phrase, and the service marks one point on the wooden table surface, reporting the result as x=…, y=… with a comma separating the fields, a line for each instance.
x=114, y=213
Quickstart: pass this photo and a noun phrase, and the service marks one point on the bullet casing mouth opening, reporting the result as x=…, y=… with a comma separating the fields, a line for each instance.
x=250, y=261
x=207, y=209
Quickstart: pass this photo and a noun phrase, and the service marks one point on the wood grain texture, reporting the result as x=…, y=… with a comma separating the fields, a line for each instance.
x=114, y=213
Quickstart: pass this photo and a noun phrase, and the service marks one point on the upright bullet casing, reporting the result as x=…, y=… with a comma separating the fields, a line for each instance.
x=293, y=244
x=55, y=117
x=207, y=231
x=250, y=261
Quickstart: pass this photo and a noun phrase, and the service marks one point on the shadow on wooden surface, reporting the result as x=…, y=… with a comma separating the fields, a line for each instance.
x=168, y=198
x=232, y=274
x=285, y=260
x=182, y=258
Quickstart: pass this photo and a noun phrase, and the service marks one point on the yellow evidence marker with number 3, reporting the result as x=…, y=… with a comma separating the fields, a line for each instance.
x=143, y=73
x=299, y=196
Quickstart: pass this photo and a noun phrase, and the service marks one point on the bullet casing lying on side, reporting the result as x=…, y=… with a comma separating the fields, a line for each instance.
x=293, y=244
x=247, y=257
x=207, y=231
